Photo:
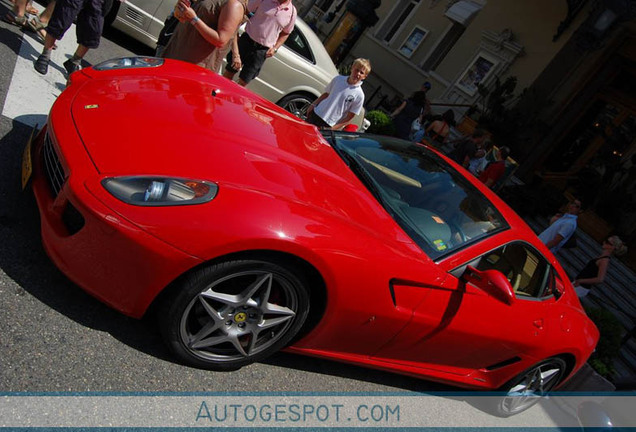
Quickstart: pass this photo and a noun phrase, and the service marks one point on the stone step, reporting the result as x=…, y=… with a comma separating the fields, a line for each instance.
x=628, y=351
x=618, y=289
x=616, y=294
x=623, y=370
x=624, y=364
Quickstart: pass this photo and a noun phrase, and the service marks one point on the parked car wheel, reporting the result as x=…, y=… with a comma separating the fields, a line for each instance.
x=526, y=389
x=110, y=12
x=297, y=104
x=235, y=313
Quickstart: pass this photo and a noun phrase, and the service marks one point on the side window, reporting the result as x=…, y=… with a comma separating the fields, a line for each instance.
x=298, y=44
x=528, y=272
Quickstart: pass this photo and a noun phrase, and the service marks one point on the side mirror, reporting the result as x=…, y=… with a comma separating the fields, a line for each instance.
x=492, y=282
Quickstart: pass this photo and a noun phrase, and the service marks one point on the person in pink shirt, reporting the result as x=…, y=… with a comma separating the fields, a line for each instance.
x=267, y=29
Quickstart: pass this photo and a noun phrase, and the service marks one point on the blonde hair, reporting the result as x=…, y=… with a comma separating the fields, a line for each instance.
x=619, y=246
x=363, y=63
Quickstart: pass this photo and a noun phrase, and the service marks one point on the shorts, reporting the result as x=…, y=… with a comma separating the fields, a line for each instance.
x=90, y=21
x=253, y=56
x=316, y=120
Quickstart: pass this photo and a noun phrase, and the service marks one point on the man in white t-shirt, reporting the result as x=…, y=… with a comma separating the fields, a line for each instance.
x=342, y=100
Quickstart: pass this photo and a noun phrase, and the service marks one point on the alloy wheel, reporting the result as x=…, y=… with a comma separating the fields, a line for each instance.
x=239, y=315
x=526, y=390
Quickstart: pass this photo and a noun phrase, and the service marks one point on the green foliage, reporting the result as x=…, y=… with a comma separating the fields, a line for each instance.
x=601, y=368
x=345, y=69
x=609, y=344
x=381, y=123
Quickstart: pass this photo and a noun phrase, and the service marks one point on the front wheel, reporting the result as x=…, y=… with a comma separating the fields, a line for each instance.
x=526, y=389
x=232, y=314
x=297, y=104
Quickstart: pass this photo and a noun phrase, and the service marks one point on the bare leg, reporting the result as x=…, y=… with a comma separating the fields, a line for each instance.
x=19, y=7
x=38, y=23
x=80, y=52
x=49, y=41
x=18, y=15
x=45, y=16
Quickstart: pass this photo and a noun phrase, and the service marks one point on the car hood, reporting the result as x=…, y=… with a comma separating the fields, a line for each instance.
x=188, y=126
x=204, y=127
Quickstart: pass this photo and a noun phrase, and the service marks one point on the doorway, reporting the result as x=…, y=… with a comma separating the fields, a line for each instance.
x=596, y=162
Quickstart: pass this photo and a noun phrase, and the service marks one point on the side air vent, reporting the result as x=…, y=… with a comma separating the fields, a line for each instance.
x=508, y=362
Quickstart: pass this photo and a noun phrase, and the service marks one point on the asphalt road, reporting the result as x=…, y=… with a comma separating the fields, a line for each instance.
x=56, y=338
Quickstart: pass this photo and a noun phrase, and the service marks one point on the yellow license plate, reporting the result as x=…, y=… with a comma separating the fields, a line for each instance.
x=27, y=165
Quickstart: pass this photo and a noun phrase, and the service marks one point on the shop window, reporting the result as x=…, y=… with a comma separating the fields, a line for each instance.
x=413, y=41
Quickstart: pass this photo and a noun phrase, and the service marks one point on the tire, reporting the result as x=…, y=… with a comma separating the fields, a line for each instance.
x=232, y=314
x=527, y=388
x=297, y=104
x=111, y=7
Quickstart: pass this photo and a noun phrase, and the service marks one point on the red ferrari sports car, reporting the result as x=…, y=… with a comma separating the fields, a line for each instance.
x=165, y=187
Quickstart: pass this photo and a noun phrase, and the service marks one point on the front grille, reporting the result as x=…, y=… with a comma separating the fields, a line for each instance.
x=52, y=165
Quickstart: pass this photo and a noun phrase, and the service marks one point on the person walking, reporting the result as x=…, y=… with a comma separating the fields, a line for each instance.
x=266, y=31
x=90, y=23
x=414, y=108
x=595, y=270
x=205, y=27
x=39, y=22
x=342, y=100
x=562, y=227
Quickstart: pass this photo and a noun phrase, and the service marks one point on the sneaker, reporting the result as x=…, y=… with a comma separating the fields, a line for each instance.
x=71, y=67
x=42, y=64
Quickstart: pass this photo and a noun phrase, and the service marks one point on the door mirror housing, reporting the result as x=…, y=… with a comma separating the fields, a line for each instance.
x=492, y=282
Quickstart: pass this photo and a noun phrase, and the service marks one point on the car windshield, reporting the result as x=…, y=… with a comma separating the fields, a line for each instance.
x=432, y=202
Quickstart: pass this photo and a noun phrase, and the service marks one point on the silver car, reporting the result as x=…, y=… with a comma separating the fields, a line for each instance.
x=293, y=78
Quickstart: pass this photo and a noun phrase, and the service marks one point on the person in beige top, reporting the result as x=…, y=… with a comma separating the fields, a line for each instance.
x=204, y=27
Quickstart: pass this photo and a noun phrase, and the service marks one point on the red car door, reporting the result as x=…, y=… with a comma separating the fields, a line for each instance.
x=462, y=326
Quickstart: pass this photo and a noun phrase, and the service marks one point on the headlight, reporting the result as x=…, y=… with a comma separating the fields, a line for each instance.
x=160, y=191
x=129, y=62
